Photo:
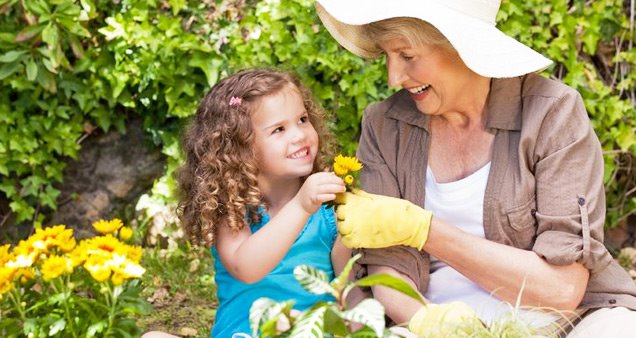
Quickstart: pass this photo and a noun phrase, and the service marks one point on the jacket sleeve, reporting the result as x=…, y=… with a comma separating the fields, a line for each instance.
x=378, y=177
x=570, y=197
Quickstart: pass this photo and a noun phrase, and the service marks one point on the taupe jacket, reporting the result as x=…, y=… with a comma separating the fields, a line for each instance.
x=544, y=193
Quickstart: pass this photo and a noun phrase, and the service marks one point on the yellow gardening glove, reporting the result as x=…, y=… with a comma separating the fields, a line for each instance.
x=375, y=221
x=443, y=320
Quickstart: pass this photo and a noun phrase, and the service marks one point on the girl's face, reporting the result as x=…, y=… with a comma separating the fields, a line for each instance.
x=435, y=78
x=285, y=142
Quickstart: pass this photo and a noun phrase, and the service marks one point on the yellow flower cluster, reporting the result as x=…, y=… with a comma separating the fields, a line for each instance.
x=113, y=226
x=53, y=252
x=345, y=166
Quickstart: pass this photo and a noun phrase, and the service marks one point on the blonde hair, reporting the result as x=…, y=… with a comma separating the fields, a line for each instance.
x=218, y=182
x=416, y=32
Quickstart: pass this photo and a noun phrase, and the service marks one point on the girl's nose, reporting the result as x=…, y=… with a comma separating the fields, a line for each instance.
x=297, y=134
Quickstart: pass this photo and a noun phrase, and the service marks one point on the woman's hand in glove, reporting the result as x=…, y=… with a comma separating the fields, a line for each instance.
x=443, y=320
x=375, y=221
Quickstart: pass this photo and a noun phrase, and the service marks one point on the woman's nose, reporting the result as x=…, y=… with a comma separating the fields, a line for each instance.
x=396, y=74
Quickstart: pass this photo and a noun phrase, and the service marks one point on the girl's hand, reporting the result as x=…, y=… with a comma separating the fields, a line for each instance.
x=318, y=189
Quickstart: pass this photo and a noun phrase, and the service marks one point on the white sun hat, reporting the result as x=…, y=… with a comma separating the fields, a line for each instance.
x=469, y=25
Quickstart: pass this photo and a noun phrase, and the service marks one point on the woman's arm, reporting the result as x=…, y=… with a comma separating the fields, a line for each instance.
x=399, y=307
x=507, y=271
x=251, y=256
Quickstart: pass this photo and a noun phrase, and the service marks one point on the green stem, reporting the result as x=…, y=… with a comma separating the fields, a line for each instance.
x=14, y=295
x=67, y=310
x=111, y=300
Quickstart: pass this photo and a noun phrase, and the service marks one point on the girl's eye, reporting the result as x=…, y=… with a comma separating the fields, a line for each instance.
x=278, y=130
x=304, y=119
x=406, y=57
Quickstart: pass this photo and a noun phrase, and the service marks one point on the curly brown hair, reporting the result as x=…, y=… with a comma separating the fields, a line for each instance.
x=218, y=182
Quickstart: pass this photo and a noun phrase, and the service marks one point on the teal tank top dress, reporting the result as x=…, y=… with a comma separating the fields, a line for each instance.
x=312, y=247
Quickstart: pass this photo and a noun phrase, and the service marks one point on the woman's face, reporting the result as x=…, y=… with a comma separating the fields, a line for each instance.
x=435, y=77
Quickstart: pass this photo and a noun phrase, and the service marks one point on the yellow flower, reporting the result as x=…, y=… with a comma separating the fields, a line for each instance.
x=347, y=164
x=125, y=233
x=6, y=279
x=107, y=227
x=348, y=180
x=97, y=267
x=5, y=255
x=133, y=253
x=339, y=169
x=25, y=274
x=53, y=237
x=55, y=266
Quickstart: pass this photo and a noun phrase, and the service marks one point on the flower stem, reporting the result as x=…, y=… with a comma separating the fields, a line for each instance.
x=14, y=295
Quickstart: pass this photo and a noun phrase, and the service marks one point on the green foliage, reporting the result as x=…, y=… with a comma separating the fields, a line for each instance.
x=277, y=319
x=68, y=67
x=591, y=45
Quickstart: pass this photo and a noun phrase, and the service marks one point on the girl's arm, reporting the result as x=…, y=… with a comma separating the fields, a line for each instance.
x=251, y=256
x=340, y=255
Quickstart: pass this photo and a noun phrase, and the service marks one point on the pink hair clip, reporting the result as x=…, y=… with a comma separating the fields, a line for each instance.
x=235, y=101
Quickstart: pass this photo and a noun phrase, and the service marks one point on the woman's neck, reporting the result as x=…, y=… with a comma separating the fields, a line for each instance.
x=468, y=110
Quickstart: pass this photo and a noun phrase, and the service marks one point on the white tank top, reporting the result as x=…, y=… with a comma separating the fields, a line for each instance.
x=461, y=203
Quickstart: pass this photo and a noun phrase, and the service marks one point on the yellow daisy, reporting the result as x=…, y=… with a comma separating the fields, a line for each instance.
x=6, y=279
x=55, y=266
x=107, y=227
x=346, y=164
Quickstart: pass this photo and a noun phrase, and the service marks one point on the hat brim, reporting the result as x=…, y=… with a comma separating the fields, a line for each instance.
x=484, y=49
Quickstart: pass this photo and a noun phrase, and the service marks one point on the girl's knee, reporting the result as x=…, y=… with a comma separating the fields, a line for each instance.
x=158, y=334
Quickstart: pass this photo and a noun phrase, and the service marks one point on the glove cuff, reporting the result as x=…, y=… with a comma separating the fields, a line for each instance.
x=424, y=225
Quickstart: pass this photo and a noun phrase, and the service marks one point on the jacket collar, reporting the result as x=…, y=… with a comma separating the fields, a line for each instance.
x=503, y=106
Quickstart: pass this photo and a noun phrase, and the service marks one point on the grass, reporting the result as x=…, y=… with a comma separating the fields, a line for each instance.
x=179, y=283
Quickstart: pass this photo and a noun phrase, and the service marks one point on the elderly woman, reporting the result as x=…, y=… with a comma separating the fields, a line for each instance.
x=494, y=172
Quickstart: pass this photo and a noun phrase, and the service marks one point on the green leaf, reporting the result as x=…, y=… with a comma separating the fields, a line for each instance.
x=309, y=324
x=8, y=69
x=57, y=326
x=314, y=280
x=334, y=323
x=12, y=56
x=265, y=310
x=391, y=282
x=51, y=36
x=31, y=70
x=368, y=312
x=340, y=282
x=29, y=32
x=96, y=328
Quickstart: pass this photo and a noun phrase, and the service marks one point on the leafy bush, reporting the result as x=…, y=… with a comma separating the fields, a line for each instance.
x=52, y=286
x=68, y=67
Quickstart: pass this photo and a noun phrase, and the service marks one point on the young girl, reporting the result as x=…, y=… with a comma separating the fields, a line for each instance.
x=253, y=187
